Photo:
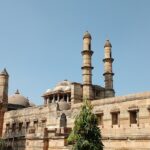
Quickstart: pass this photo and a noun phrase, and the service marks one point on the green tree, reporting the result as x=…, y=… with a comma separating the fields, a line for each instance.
x=2, y=144
x=86, y=134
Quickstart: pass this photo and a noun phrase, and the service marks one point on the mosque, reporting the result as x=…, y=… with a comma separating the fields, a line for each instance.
x=124, y=120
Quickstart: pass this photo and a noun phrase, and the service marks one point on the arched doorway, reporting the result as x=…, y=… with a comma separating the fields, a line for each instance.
x=63, y=120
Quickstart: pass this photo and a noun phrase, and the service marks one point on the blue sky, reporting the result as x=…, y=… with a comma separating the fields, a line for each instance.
x=41, y=43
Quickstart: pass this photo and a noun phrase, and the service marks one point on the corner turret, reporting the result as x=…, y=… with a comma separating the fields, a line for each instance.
x=4, y=76
x=3, y=96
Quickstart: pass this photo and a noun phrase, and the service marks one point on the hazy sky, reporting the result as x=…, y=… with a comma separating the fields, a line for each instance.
x=41, y=43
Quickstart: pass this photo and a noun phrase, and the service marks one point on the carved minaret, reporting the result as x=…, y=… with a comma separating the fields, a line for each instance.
x=3, y=96
x=108, y=73
x=87, y=66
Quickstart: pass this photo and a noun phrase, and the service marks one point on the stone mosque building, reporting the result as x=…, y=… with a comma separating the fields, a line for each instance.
x=124, y=120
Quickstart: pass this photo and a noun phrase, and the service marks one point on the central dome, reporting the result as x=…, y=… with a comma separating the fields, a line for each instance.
x=61, y=86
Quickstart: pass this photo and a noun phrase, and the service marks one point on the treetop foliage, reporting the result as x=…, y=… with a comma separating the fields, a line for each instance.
x=86, y=134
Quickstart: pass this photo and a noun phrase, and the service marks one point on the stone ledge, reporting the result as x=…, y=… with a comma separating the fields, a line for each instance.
x=120, y=99
x=116, y=99
x=127, y=138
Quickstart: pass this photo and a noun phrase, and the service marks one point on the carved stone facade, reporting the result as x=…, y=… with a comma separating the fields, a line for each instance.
x=124, y=121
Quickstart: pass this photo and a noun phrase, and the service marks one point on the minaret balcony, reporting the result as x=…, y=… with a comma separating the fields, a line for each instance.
x=88, y=52
x=108, y=60
x=87, y=67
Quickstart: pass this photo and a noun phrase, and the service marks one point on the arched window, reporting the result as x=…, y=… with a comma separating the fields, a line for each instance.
x=63, y=120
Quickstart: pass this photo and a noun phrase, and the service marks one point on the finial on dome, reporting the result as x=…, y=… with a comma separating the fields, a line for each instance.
x=4, y=72
x=107, y=43
x=87, y=35
x=17, y=92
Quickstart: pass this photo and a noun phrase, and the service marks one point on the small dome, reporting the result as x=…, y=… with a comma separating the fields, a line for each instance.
x=87, y=35
x=63, y=105
x=18, y=99
x=107, y=44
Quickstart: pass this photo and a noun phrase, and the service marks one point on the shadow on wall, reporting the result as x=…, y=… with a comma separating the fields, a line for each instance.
x=15, y=143
x=14, y=136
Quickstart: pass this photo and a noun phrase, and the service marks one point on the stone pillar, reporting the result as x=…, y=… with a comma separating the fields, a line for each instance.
x=108, y=73
x=87, y=67
x=45, y=140
x=137, y=118
x=67, y=98
x=53, y=99
x=49, y=100
x=119, y=119
x=45, y=101
x=63, y=97
x=3, y=96
x=58, y=97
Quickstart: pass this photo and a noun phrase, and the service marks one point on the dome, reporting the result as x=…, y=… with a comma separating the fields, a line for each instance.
x=63, y=105
x=63, y=86
x=67, y=88
x=107, y=44
x=31, y=104
x=48, y=90
x=87, y=35
x=18, y=99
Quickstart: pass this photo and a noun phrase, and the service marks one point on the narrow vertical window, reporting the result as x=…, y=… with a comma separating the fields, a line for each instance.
x=43, y=123
x=35, y=124
x=7, y=127
x=13, y=127
x=20, y=126
x=133, y=117
x=114, y=118
x=100, y=119
x=27, y=126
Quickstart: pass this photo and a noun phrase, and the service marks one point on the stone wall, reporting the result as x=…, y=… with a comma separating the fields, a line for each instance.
x=39, y=119
x=76, y=92
x=128, y=134
x=123, y=132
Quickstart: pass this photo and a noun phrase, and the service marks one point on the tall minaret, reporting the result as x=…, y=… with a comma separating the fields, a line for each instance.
x=108, y=73
x=3, y=96
x=87, y=66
